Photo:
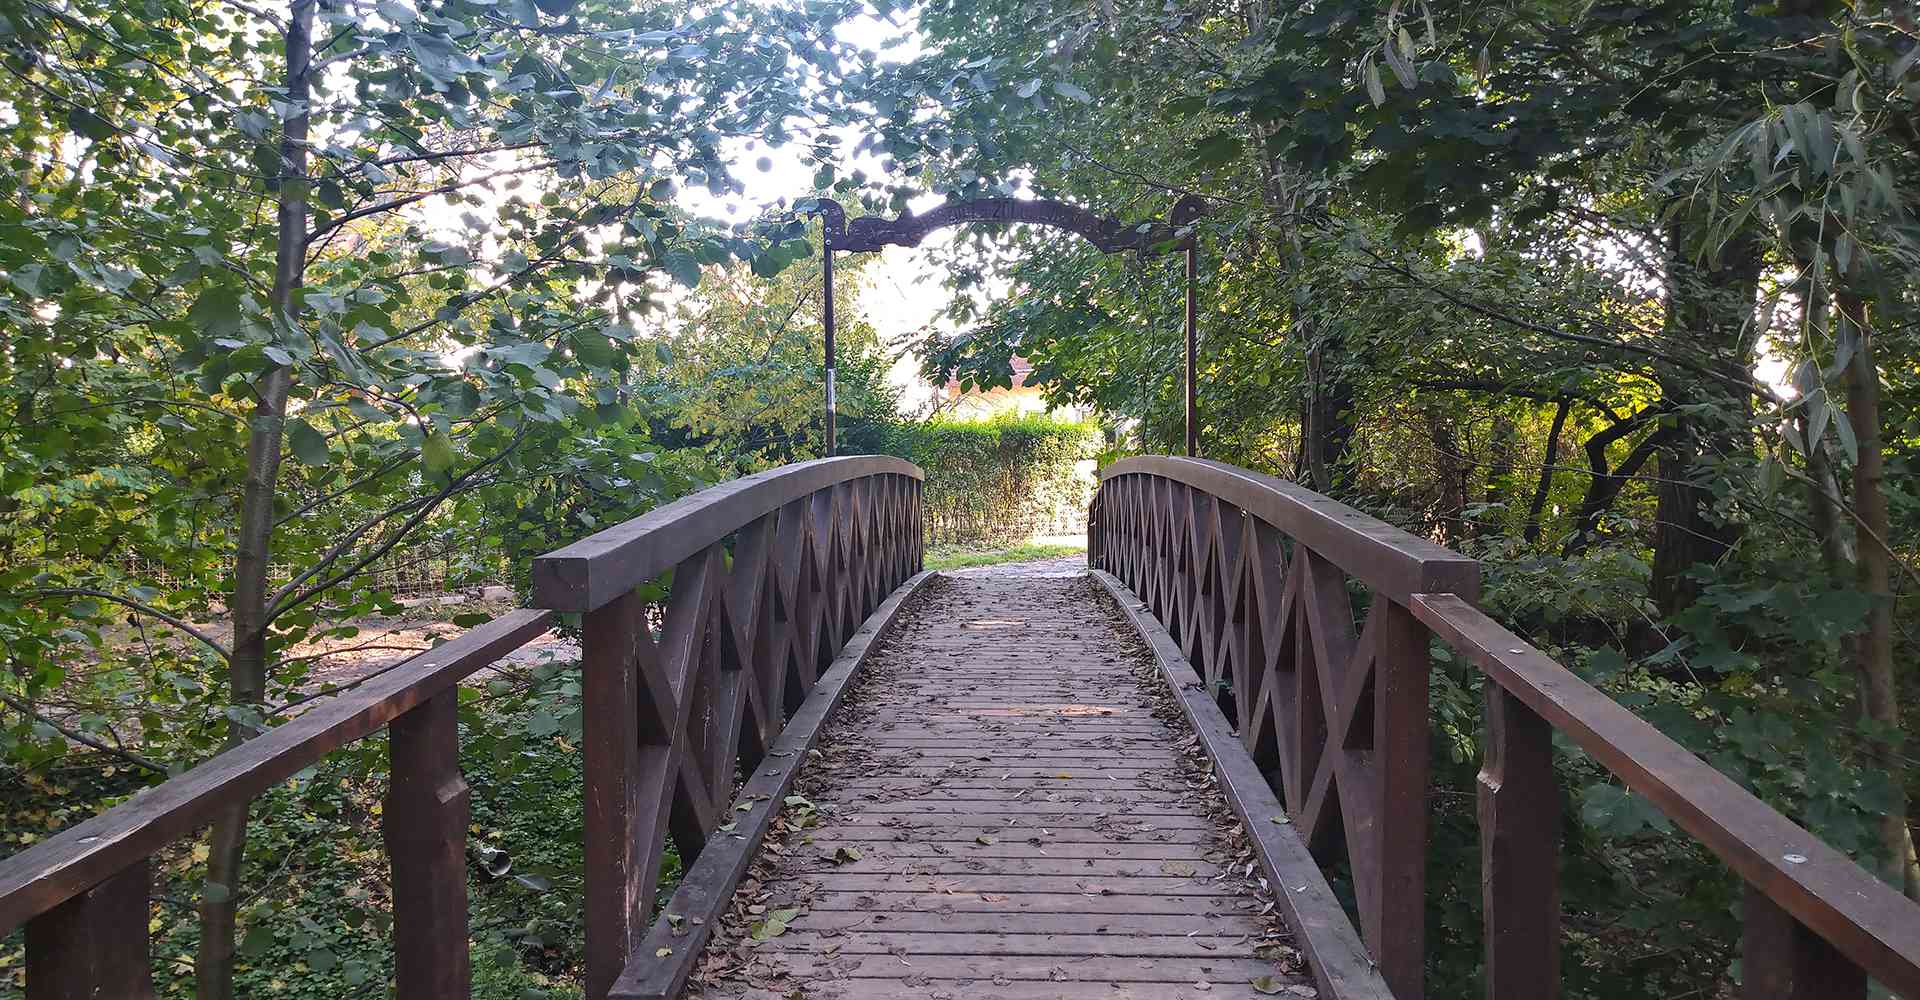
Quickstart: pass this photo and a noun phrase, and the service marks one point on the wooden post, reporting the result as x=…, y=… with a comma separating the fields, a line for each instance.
x=425, y=827
x=1519, y=852
x=94, y=944
x=626, y=785
x=1193, y=339
x=1780, y=959
x=1397, y=929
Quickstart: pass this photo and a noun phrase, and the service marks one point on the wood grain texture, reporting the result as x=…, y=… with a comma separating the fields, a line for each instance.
x=1863, y=918
x=950, y=852
x=54, y=870
x=424, y=824
x=94, y=945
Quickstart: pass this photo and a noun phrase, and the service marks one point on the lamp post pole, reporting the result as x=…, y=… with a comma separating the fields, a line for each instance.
x=826, y=320
x=1193, y=336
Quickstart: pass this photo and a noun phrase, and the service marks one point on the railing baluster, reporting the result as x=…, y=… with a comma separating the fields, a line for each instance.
x=425, y=827
x=95, y=944
x=1519, y=852
x=1780, y=959
x=1400, y=745
x=626, y=785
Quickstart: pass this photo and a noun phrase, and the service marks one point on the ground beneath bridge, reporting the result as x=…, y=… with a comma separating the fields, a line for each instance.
x=1008, y=808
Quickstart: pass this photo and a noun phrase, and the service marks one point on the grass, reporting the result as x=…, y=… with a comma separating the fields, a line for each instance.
x=947, y=557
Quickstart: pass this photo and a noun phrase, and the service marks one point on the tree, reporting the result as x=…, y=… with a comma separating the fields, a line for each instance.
x=402, y=244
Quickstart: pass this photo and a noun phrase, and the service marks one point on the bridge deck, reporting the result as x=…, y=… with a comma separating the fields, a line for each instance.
x=1008, y=808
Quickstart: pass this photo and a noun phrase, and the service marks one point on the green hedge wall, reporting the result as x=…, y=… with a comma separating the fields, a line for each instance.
x=1001, y=481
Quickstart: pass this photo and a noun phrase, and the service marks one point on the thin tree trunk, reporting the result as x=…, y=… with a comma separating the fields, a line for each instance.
x=247, y=669
x=1545, y=486
x=1873, y=655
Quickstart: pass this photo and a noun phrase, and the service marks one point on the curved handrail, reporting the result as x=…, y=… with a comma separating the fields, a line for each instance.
x=774, y=574
x=1395, y=562
x=602, y=566
x=1338, y=723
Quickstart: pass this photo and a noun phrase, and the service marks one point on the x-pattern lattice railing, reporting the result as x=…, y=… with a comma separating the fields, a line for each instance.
x=771, y=577
x=1250, y=576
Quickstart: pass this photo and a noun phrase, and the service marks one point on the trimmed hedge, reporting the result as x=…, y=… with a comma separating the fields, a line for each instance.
x=1002, y=480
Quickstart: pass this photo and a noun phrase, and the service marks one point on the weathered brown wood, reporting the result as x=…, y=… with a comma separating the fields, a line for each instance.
x=1096, y=867
x=424, y=823
x=1780, y=959
x=1398, y=742
x=596, y=569
x=1864, y=918
x=94, y=944
x=1339, y=962
x=707, y=887
x=54, y=870
x=1388, y=560
x=1519, y=852
x=627, y=784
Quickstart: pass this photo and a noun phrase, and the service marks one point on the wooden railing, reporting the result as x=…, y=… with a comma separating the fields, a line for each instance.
x=772, y=576
x=1249, y=575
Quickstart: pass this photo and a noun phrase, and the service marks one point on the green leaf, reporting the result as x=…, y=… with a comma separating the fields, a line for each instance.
x=309, y=445
x=1072, y=92
x=90, y=125
x=436, y=453
x=1216, y=149
x=683, y=269
x=216, y=312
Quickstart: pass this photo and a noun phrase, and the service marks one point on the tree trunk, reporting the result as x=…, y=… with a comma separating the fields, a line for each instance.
x=1326, y=425
x=1873, y=654
x=1540, y=492
x=1709, y=311
x=247, y=669
x=1450, y=469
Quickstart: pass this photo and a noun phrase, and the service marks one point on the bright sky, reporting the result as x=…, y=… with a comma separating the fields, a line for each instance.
x=900, y=293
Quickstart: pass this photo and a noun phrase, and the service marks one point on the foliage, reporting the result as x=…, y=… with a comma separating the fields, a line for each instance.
x=317, y=922
x=958, y=557
x=1005, y=478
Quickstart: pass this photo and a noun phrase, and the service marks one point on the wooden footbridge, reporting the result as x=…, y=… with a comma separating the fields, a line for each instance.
x=884, y=783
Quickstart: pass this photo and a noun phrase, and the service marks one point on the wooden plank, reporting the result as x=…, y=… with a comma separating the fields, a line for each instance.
x=1398, y=921
x=1090, y=885
x=1112, y=872
x=590, y=572
x=54, y=870
x=1863, y=917
x=1048, y=968
x=424, y=823
x=627, y=786
x=1071, y=921
x=1519, y=852
x=1009, y=945
x=94, y=944
x=707, y=887
x=907, y=900
x=1340, y=964
x=919, y=845
x=973, y=987
x=1780, y=959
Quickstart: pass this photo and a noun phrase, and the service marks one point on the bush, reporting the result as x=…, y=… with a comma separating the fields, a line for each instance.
x=1001, y=480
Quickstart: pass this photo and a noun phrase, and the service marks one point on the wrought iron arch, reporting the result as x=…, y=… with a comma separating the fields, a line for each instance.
x=1149, y=238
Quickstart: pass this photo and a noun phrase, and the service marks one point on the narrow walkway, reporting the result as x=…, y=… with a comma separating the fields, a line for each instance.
x=1007, y=808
